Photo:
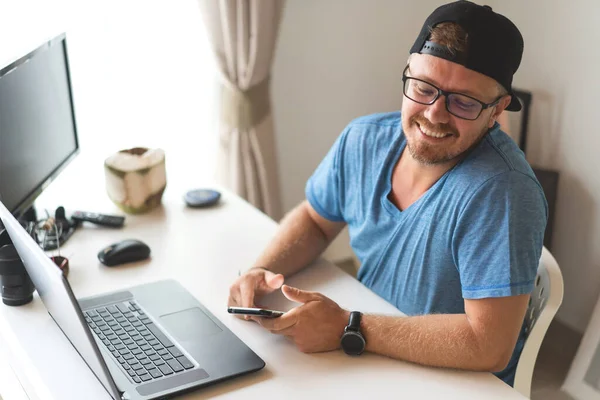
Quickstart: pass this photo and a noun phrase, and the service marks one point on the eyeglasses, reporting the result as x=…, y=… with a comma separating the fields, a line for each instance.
x=457, y=104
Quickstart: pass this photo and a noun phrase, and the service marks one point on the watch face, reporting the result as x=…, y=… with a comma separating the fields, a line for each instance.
x=353, y=343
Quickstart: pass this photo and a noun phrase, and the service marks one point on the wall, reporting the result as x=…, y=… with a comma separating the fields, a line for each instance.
x=142, y=75
x=336, y=60
x=339, y=59
x=560, y=66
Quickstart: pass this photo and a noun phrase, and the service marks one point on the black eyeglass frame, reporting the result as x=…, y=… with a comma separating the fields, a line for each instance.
x=441, y=92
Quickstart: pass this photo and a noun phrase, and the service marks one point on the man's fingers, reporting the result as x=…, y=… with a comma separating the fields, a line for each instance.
x=273, y=281
x=277, y=324
x=246, y=294
x=298, y=295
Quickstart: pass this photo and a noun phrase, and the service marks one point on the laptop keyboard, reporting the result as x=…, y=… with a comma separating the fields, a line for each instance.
x=137, y=344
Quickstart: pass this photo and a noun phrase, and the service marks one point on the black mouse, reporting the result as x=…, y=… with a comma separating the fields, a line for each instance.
x=122, y=252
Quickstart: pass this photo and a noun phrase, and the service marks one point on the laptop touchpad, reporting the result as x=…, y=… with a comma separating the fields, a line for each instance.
x=189, y=325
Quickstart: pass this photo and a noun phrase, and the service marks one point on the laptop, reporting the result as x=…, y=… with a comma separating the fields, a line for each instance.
x=146, y=342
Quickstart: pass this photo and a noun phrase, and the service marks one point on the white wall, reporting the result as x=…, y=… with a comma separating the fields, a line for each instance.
x=336, y=60
x=142, y=75
x=339, y=59
x=560, y=66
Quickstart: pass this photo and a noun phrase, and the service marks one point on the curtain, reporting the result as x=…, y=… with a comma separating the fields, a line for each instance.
x=243, y=34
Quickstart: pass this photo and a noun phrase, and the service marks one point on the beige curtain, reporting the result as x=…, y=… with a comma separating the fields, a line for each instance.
x=243, y=35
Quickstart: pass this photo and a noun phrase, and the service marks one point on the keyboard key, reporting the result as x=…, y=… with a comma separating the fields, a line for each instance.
x=155, y=373
x=128, y=342
x=131, y=372
x=165, y=369
x=122, y=307
x=137, y=366
x=132, y=362
x=175, y=352
x=163, y=352
x=120, y=346
x=128, y=356
x=153, y=342
x=175, y=365
x=121, y=360
x=158, y=347
x=155, y=357
x=145, y=377
x=167, y=357
x=187, y=364
x=112, y=310
x=159, y=362
x=146, y=321
x=91, y=313
x=132, y=347
x=136, y=379
x=159, y=335
x=145, y=362
x=111, y=348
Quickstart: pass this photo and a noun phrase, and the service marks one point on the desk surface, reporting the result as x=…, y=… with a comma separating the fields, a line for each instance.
x=204, y=250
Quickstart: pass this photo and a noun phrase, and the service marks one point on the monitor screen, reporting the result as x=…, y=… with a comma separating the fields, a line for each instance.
x=38, y=135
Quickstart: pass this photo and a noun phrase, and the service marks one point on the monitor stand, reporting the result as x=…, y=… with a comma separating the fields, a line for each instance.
x=55, y=236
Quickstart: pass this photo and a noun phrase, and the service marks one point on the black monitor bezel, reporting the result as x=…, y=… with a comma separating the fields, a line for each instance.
x=27, y=201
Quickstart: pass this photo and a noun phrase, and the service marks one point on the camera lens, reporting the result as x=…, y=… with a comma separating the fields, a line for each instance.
x=15, y=284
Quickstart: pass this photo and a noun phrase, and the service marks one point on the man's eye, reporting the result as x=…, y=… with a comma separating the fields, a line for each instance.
x=464, y=104
x=425, y=90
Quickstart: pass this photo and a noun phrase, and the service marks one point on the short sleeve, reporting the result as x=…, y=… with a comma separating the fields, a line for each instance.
x=499, y=235
x=324, y=188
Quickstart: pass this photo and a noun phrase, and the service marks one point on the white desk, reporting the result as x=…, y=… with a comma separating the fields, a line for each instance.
x=204, y=249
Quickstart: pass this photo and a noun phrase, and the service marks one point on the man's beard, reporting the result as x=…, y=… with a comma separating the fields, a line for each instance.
x=429, y=154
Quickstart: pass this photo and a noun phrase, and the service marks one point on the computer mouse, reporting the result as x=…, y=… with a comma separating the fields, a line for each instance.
x=122, y=252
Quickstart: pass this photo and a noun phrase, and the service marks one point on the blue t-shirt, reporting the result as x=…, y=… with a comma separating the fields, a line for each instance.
x=476, y=233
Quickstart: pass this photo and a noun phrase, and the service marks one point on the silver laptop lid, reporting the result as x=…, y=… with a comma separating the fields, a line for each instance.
x=57, y=296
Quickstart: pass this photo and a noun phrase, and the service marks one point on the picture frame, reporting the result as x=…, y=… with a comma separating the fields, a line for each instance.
x=583, y=379
x=518, y=121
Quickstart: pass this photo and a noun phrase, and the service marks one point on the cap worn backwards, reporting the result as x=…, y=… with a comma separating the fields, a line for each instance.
x=495, y=45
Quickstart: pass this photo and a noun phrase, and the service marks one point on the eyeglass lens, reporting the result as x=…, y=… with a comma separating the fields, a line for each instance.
x=457, y=104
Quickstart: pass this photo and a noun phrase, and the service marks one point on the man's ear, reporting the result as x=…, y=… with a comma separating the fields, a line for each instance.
x=498, y=108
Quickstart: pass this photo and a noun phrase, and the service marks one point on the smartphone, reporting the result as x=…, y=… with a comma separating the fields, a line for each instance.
x=256, y=312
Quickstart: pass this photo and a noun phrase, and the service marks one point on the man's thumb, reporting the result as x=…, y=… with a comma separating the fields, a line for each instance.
x=297, y=295
x=274, y=281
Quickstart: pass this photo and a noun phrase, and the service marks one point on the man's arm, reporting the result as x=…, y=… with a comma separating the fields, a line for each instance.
x=302, y=236
x=483, y=339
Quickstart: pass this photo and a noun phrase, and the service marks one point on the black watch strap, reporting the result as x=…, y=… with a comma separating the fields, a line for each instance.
x=354, y=321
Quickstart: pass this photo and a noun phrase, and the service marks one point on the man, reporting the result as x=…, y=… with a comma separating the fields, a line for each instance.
x=444, y=213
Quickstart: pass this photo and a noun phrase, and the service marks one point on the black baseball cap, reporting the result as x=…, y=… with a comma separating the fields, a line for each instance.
x=494, y=43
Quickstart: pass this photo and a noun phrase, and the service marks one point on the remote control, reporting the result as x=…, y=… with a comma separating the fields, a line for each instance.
x=114, y=221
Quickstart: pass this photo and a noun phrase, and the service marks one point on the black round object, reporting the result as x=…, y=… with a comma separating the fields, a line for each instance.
x=202, y=197
x=353, y=343
x=15, y=284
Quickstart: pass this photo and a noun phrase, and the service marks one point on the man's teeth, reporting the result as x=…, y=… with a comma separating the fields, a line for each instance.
x=433, y=134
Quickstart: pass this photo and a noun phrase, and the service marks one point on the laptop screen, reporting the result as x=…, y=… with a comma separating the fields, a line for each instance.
x=57, y=296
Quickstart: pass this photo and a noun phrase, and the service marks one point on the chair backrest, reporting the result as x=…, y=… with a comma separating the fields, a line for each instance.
x=545, y=300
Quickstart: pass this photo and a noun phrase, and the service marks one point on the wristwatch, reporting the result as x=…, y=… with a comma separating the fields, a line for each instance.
x=353, y=343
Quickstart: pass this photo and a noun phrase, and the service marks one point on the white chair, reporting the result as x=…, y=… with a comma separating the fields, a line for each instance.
x=544, y=303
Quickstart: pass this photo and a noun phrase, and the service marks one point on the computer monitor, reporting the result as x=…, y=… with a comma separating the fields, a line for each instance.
x=38, y=133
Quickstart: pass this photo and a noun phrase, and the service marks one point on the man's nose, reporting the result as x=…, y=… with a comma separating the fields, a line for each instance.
x=437, y=113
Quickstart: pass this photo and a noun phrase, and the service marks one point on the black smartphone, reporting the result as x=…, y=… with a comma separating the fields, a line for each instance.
x=256, y=312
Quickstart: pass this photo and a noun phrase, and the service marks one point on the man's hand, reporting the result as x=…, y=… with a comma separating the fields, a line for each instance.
x=315, y=326
x=247, y=290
